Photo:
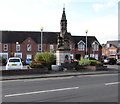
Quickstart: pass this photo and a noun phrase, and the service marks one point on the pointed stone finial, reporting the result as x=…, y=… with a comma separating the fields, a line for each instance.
x=64, y=7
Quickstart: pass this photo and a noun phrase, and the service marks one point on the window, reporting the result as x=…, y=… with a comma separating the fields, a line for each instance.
x=119, y=51
x=107, y=46
x=96, y=56
x=112, y=52
x=81, y=46
x=71, y=47
x=95, y=46
x=5, y=47
x=14, y=60
x=4, y=55
x=51, y=47
x=39, y=47
x=29, y=48
x=17, y=47
x=18, y=55
x=28, y=56
x=92, y=55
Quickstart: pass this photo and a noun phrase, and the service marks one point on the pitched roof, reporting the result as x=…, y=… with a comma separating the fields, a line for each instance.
x=20, y=36
x=48, y=37
x=115, y=43
x=90, y=40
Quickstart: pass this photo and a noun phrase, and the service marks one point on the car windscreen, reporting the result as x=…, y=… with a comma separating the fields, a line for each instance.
x=14, y=60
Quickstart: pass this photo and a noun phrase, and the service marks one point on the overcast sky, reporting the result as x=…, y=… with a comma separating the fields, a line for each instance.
x=100, y=17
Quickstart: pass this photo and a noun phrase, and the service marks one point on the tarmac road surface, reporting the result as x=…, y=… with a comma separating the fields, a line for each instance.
x=85, y=88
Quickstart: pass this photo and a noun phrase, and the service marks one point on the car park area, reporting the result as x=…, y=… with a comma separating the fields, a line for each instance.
x=110, y=61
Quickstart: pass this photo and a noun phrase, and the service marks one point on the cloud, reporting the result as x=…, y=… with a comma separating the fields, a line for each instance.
x=98, y=7
x=109, y=4
x=104, y=28
x=30, y=15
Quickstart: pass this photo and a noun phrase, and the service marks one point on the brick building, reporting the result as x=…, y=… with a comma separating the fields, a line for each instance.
x=111, y=49
x=26, y=44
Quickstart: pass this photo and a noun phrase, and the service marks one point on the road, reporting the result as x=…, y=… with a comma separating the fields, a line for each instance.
x=85, y=88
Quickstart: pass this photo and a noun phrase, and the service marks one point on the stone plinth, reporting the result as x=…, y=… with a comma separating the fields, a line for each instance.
x=62, y=56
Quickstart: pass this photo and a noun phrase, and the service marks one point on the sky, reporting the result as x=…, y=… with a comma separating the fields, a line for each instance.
x=99, y=17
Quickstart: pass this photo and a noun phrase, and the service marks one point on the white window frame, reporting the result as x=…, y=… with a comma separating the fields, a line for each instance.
x=95, y=46
x=51, y=47
x=71, y=46
x=107, y=45
x=81, y=46
x=5, y=47
x=29, y=47
x=4, y=55
x=71, y=56
x=18, y=55
x=96, y=56
x=112, y=52
x=17, y=47
x=39, y=47
x=29, y=56
x=92, y=55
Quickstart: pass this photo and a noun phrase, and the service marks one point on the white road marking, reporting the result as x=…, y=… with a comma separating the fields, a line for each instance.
x=36, y=92
x=112, y=83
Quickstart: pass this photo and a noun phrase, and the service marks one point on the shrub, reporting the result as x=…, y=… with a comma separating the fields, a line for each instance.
x=99, y=64
x=46, y=58
x=93, y=62
x=92, y=58
x=35, y=64
x=84, y=61
x=38, y=57
x=2, y=61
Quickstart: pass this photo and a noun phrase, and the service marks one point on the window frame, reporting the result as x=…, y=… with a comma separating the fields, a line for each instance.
x=112, y=52
x=95, y=46
x=39, y=47
x=29, y=47
x=17, y=49
x=81, y=46
x=5, y=47
x=51, y=47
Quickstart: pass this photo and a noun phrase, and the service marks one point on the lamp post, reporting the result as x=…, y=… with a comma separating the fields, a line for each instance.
x=41, y=38
x=86, y=31
x=93, y=45
x=16, y=48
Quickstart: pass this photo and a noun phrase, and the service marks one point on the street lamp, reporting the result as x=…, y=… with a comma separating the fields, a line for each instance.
x=93, y=45
x=17, y=43
x=16, y=46
x=86, y=31
x=41, y=38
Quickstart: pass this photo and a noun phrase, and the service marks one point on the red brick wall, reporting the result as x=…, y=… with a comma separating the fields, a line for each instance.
x=33, y=51
x=46, y=47
x=111, y=48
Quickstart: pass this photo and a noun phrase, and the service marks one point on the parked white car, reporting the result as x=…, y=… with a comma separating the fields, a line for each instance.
x=14, y=63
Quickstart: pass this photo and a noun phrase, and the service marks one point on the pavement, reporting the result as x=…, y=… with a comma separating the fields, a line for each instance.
x=56, y=74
